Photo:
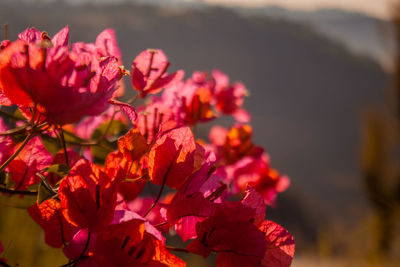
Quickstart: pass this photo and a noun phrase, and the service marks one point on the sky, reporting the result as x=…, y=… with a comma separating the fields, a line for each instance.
x=377, y=8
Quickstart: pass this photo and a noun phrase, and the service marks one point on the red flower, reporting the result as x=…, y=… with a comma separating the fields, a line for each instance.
x=172, y=159
x=128, y=241
x=88, y=196
x=155, y=118
x=118, y=165
x=257, y=173
x=220, y=233
x=48, y=215
x=149, y=72
x=280, y=245
x=229, y=97
x=62, y=86
x=32, y=159
x=234, y=144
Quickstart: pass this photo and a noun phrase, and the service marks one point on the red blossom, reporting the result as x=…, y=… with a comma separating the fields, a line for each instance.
x=149, y=72
x=218, y=233
x=128, y=241
x=235, y=143
x=88, y=196
x=60, y=85
x=48, y=215
x=257, y=173
x=32, y=159
x=132, y=145
x=191, y=100
x=172, y=158
x=156, y=118
x=130, y=172
x=280, y=245
x=229, y=98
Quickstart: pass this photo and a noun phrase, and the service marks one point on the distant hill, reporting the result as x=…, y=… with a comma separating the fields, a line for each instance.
x=307, y=92
x=361, y=33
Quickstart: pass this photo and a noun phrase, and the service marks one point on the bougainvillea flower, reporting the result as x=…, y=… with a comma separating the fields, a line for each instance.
x=229, y=98
x=80, y=246
x=191, y=100
x=197, y=180
x=257, y=173
x=156, y=118
x=141, y=205
x=128, y=163
x=280, y=245
x=199, y=107
x=218, y=233
x=127, y=241
x=254, y=200
x=88, y=196
x=60, y=85
x=186, y=212
x=132, y=145
x=105, y=46
x=126, y=109
x=234, y=144
x=32, y=159
x=48, y=215
x=149, y=72
x=129, y=172
x=172, y=159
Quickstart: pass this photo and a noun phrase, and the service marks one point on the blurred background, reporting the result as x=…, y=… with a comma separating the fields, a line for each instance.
x=324, y=85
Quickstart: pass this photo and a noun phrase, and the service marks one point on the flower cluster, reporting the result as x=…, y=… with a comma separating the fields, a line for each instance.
x=92, y=160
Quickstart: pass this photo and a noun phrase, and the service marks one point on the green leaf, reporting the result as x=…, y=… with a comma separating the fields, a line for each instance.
x=43, y=193
x=100, y=151
x=18, y=114
x=115, y=129
x=59, y=169
x=52, y=145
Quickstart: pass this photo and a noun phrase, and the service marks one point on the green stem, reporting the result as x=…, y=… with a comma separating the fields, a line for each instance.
x=62, y=139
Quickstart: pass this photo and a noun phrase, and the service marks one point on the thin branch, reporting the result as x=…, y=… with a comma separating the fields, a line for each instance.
x=86, y=245
x=130, y=101
x=177, y=249
x=160, y=224
x=17, y=192
x=160, y=192
x=72, y=263
x=46, y=183
x=5, y=113
x=62, y=139
x=17, y=130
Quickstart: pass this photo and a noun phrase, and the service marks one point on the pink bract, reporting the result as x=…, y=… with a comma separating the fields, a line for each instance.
x=42, y=74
